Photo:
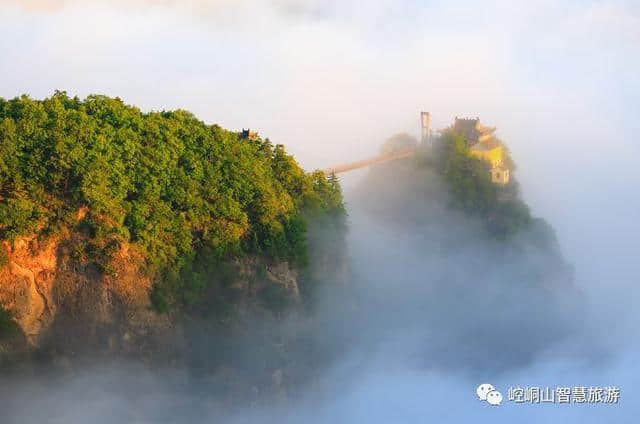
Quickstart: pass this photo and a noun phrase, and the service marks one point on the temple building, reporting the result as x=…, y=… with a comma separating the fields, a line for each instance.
x=483, y=145
x=489, y=150
x=249, y=135
x=499, y=175
x=472, y=130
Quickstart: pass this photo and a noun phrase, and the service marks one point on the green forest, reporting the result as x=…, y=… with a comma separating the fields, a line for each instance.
x=165, y=182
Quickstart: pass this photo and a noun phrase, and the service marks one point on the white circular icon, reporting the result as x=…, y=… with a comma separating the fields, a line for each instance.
x=494, y=398
x=483, y=390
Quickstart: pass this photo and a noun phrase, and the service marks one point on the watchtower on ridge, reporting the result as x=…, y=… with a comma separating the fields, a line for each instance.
x=425, y=124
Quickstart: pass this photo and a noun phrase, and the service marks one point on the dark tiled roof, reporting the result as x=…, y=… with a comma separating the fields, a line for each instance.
x=467, y=127
x=471, y=129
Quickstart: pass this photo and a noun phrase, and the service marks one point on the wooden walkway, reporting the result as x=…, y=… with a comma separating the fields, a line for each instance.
x=395, y=155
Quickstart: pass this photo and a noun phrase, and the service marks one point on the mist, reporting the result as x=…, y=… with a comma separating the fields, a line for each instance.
x=330, y=79
x=432, y=309
x=411, y=337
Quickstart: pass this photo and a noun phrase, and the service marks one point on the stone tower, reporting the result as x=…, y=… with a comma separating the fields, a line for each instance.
x=425, y=123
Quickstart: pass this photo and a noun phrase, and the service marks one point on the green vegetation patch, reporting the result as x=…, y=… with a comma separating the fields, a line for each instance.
x=4, y=256
x=472, y=190
x=165, y=182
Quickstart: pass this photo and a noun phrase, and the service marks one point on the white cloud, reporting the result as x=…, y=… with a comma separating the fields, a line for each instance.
x=330, y=79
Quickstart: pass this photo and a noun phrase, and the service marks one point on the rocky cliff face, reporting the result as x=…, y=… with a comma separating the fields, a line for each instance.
x=54, y=297
x=238, y=341
x=60, y=302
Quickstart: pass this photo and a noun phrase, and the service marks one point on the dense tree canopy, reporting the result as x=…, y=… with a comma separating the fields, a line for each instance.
x=163, y=181
x=472, y=190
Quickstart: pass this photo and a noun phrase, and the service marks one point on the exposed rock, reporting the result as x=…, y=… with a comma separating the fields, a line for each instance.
x=26, y=285
x=53, y=296
x=64, y=304
x=281, y=273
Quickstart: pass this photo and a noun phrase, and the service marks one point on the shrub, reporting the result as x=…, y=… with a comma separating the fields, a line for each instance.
x=7, y=324
x=4, y=256
x=276, y=297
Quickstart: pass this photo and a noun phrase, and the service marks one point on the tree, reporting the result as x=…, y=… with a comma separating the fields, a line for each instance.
x=472, y=190
x=164, y=182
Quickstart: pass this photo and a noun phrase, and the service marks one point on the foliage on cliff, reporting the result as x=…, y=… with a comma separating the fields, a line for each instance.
x=165, y=182
x=7, y=324
x=472, y=190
